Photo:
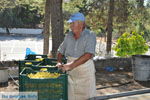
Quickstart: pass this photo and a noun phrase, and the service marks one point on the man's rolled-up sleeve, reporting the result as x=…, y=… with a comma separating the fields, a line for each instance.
x=90, y=44
x=62, y=47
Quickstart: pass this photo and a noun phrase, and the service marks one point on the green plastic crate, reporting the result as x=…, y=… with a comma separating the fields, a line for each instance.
x=44, y=62
x=48, y=89
x=21, y=64
x=35, y=56
x=39, y=64
x=52, y=61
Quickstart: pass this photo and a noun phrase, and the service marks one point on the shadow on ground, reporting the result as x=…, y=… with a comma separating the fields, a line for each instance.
x=116, y=82
x=5, y=37
x=144, y=83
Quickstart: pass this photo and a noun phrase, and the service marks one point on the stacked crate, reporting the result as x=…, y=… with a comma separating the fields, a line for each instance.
x=47, y=88
x=32, y=61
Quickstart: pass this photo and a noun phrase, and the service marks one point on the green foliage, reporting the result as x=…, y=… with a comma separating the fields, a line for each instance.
x=32, y=12
x=139, y=18
x=94, y=10
x=130, y=44
x=9, y=19
x=7, y=4
x=34, y=4
x=72, y=7
x=127, y=16
x=23, y=14
x=29, y=15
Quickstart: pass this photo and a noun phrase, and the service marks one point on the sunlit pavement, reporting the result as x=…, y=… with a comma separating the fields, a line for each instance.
x=14, y=47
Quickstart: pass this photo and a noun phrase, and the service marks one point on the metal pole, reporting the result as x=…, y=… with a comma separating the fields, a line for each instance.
x=123, y=94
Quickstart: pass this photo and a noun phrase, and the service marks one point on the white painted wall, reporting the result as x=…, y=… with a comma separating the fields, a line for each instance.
x=22, y=31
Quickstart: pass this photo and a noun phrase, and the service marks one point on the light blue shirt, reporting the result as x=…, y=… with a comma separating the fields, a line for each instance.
x=76, y=48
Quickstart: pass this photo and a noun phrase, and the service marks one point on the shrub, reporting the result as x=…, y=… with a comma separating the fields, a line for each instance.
x=130, y=44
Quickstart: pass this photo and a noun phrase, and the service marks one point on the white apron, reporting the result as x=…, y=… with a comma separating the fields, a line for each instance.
x=81, y=81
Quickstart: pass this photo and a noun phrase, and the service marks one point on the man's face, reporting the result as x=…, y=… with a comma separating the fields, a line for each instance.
x=76, y=27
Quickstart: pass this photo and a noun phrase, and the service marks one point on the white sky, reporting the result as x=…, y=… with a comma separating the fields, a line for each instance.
x=145, y=1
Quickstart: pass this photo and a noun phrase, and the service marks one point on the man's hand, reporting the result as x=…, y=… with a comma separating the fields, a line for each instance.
x=59, y=65
x=67, y=67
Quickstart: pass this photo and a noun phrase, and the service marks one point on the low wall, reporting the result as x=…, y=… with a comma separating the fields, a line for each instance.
x=8, y=63
x=100, y=64
x=22, y=31
x=116, y=62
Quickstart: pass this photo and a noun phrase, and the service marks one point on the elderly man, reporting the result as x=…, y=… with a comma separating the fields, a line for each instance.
x=79, y=48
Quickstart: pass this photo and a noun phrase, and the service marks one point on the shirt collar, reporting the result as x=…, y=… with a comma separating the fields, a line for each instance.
x=82, y=33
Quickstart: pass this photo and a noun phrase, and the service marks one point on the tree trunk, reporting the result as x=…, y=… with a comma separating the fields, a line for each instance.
x=110, y=26
x=142, y=12
x=122, y=15
x=57, y=25
x=46, y=27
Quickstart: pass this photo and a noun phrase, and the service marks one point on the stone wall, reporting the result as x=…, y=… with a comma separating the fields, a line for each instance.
x=116, y=62
x=8, y=63
x=100, y=64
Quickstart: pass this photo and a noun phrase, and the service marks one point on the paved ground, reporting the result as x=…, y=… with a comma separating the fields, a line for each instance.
x=14, y=47
x=122, y=82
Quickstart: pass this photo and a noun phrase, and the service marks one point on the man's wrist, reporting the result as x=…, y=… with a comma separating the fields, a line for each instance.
x=59, y=62
x=72, y=65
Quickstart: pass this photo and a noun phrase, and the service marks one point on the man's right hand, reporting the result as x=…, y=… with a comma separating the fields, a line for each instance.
x=59, y=65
